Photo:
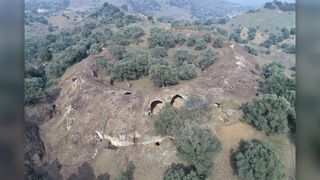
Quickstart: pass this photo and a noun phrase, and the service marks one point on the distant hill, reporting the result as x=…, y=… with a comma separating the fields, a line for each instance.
x=176, y=9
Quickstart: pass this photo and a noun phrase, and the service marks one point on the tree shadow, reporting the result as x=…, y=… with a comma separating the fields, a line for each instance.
x=86, y=172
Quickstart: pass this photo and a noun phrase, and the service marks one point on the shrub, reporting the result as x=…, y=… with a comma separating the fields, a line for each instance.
x=285, y=33
x=117, y=51
x=182, y=56
x=187, y=71
x=197, y=147
x=162, y=75
x=44, y=54
x=207, y=59
x=160, y=61
x=159, y=52
x=200, y=44
x=207, y=37
x=54, y=70
x=272, y=69
x=192, y=40
x=259, y=160
x=269, y=5
x=122, y=175
x=168, y=121
x=267, y=43
x=196, y=107
x=251, y=50
x=133, y=32
x=161, y=37
x=269, y=114
x=218, y=42
x=236, y=37
x=94, y=49
x=180, y=39
x=32, y=89
x=119, y=39
x=105, y=65
x=293, y=31
x=180, y=172
x=252, y=34
x=132, y=66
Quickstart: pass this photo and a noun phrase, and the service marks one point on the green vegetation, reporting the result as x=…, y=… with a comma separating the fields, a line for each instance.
x=269, y=114
x=187, y=71
x=133, y=32
x=196, y=108
x=207, y=59
x=218, y=42
x=258, y=160
x=197, y=147
x=180, y=39
x=118, y=51
x=251, y=50
x=163, y=75
x=207, y=37
x=182, y=56
x=159, y=52
x=105, y=65
x=44, y=54
x=180, y=172
x=161, y=37
x=123, y=175
x=192, y=40
x=200, y=44
x=252, y=33
x=32, y=89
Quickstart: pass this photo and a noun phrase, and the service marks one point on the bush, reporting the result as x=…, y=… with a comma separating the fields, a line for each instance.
x=117, y=51
x=251, y=50
x=168, y=121
x=187, y=71
x=269, y=5
x=252, y=34
x=269, y=114
x=259, y=160
x=218, y=42
x=54, y=70
x=180, y=39
x=160, y=61
x=44, y=54
x=105, y=65
x=119, y=39
x=207, y=37
x=32, y=89
x=133, y=32
x=192, y=40
x=196, y=107
x=94, y=49
x=293, y=31
x=132, y=66
x=267, y=43
x=182, y=56
x=161, y=37
x=122, y=175
x=285, y=33
x=236, y=37
x=207, y=59
x=159, y=52
x=197, y=147
x=180, y=172
x=162, y=75
x=200, y=44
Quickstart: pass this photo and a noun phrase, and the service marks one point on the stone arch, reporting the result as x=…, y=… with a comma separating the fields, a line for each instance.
x=176, y=100
x=154, y=105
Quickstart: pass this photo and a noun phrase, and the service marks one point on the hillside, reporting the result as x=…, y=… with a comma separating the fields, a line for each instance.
x=112, y=94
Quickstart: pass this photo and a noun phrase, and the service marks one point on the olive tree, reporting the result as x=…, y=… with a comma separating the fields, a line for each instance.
x=180, y=172
x=161, y=37
x=32, y=89
x=207, y=59
x=258, y=160
x=182, y=56
x=163, y=75
x=117, y=51
x=187, y=71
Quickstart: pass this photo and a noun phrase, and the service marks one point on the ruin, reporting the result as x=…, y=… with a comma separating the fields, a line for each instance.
x=154, y=107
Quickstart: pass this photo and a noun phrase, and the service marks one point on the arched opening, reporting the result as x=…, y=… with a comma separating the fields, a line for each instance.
x=127, y=93
x=154, y=107
x=177, y=101
x=157, y=143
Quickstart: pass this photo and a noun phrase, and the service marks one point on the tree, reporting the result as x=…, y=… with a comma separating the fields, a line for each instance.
x=207, y=37
x=218, y=42
x=159, y=52
x=182, y=56
x=124, y=7
x=180, y=172
x=44, y=54
x=162, y=75
x=168, y=121
x=119, y=39
x=267, y=43
x=105, y=65
x=32, y=89
x=285, y=33
x=161, y=37
x=251, y=50
x=269, y=5
x=293, y=31
x=269, y=114
x=207, y=59
x=200, y=44
x=252, y=33
x=196, y=107
x=54, y=70
x=197, y=147
x=133, y=32
x=122, y=175
x=192, y=40
x=117, y=51
x=259, y=160
x=187, y=71
x=94, y=49
x=180, y=39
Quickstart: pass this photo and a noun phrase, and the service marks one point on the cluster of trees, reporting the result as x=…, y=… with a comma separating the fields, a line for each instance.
x=161, y=37
x=183, y=56
x=290, y=49
x=274, y=39
x=275, y=113
x=163, y=75
x=33, y=88
x=258, y=160
x=284, y=6
x=252, y=33
x=196, y=146
x=32, y=18
x=207, y=59
x=236, y=36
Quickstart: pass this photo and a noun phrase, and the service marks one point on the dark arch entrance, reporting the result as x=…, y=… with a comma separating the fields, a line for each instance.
x=174, y=98
x=154, y=105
